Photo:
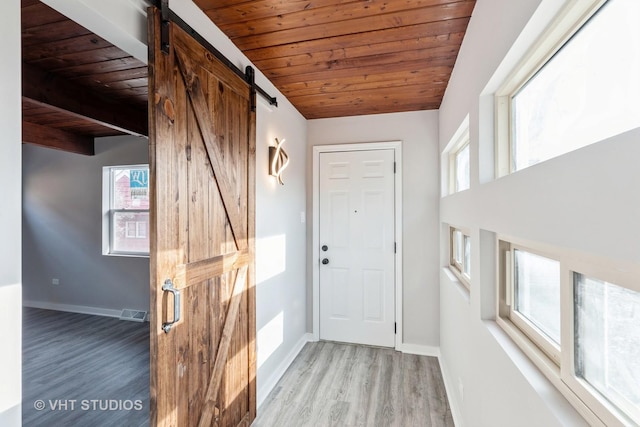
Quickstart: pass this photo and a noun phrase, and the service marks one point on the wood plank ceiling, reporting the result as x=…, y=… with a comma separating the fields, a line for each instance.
x=330, y=58
x=334, y=58
x=75, y=85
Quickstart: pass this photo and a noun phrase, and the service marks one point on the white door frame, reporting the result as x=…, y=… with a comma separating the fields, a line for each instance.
x=396, y=146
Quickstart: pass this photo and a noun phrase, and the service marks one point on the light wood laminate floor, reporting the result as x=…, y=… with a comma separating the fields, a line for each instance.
x=69, y=358
x=331, y=384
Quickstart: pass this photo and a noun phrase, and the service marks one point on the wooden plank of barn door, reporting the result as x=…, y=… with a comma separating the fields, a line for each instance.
x=163, y=226
x=237, y=370
x=218, y=96
x=182, y=160
x=199, y=177
x=251, y=246
x=220, y=235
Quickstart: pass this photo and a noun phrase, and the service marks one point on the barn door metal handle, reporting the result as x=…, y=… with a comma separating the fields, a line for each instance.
x=168, y=287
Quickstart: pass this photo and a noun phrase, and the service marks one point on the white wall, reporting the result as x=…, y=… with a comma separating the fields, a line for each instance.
x=280, y=246
x=578, y=201
x=62, y=231
x=10, y=253
x=418, y=132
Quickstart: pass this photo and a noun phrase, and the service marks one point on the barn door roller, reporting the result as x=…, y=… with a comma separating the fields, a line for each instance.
x=169, y=16
x=164, y=27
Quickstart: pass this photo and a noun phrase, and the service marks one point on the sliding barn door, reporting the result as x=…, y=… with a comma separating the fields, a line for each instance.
x=202, y=156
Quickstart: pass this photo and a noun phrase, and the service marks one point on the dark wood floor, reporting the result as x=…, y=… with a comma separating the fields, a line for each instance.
x=344, y=385
x=101, y=363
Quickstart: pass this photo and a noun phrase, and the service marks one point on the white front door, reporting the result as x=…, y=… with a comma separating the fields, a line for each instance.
x=357, y=247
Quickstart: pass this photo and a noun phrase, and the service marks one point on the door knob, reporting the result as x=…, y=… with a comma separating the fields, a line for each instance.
x=325, y=261
x=325, y=248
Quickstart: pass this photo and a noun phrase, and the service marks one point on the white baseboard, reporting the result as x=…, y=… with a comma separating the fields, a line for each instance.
x=420, y=350
x=98, y=311
x=452, y=394
x=268, y=385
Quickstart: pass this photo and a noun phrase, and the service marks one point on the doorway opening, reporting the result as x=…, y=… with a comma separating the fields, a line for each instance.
x=84, y=106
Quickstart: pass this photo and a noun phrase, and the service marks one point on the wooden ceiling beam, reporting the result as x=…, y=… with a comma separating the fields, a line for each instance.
x=434, y=57
x=356, y=26
x=39, y=14
x=49, y=137
x=64, y=47
x=434, y=75
x=97, y=66
x=347, y=41
x=42, y=33
x=419, y=84
x=374, y=101
x=452, y=40
x=346, y=13
x=346, y=111
x=48, y=89
x=25, y=3
x=394, y=96
x=258, y=9
x=68, y=60
x=109, y=79
x=209, y=4
x=347, y=73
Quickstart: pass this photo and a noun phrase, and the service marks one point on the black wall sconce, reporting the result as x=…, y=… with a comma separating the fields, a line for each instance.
x=278, y=160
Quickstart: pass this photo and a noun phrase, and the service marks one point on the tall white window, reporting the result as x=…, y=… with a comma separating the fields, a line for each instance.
x=126, y=210
x=532, y=294
x=585, y=91
x=461, y=166
x=458, y=152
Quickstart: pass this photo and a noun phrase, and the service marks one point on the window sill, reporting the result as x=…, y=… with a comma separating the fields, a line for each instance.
x=453, y=193
x=459, y=285
x=541, y=373
x=126, y=255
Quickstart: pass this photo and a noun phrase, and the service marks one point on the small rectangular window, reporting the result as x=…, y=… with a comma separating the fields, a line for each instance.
x=126, y=218
x=537, y=292
x=607, y=341
x=131, y=229
x=456, y=154
x=461, y=160
x=467, y=256
x=460, y=262
x=531, y=289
